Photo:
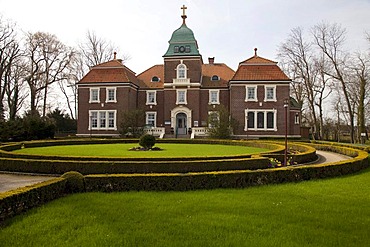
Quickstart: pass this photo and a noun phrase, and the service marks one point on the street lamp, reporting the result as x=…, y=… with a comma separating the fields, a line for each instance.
x=286, y=104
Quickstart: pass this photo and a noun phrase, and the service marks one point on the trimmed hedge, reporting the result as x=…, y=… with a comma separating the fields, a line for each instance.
x=107, y=167
x=306, y=153
x=224, y=179
x=17, y=201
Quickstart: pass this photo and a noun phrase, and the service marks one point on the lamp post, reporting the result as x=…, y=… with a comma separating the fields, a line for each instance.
x=286, y=103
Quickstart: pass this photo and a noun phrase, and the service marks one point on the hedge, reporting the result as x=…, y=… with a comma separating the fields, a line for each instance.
x=224, y=179
x=306, y=153
x=17, y=201
x=108, y=167
x=5, y=151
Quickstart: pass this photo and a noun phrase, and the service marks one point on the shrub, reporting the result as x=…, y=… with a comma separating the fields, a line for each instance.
x=147, y=141
x=75, y=182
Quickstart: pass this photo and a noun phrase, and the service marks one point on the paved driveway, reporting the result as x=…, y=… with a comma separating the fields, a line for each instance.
x=14, y=181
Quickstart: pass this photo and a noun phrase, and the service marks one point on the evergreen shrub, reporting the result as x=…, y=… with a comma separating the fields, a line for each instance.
x=147, y=141
x=74, y=182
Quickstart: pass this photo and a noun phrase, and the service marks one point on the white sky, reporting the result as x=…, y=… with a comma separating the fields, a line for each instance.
x=226, y=29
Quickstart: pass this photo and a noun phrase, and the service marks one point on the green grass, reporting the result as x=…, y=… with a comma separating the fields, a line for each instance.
x=331, y=212
x=122, y=150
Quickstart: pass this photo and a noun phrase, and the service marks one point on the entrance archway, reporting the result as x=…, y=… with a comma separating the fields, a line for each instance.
x=181, y=123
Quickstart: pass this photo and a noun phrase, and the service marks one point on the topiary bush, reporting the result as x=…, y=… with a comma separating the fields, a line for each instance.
x=75, y=182
x=147, y=141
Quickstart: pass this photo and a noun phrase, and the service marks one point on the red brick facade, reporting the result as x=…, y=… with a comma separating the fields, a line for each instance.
x=179, y=94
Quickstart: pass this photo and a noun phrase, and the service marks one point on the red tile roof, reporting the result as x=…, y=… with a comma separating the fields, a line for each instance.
x=224, y=72
x=111, y=71
x=145, y=78
x=259, y=69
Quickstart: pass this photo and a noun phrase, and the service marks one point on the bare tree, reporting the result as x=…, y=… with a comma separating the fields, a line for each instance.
x=309, y=85
x=330, y=39
x=9, y=51
x=47, y=58
x=15, y=90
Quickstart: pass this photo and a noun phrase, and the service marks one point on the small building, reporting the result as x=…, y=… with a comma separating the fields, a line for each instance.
x=179, y=95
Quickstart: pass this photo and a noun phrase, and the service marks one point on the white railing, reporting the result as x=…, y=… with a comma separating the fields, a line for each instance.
x=155, y=131
x=199, y=131
x=181, y=81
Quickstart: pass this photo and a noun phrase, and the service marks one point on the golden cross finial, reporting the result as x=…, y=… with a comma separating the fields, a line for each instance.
x=183, y=9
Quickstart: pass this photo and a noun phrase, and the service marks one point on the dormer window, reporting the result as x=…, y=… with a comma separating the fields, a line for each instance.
x=155, y=79
x=215, y=78
x=187, y=48
x=181, y=71
x=176, y=49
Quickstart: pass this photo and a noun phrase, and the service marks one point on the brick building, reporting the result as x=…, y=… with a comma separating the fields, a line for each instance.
x=179, y=95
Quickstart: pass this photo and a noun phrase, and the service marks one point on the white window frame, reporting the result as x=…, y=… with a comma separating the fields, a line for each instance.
x=148, y=93
x=209, y=115
x=256, y=111
x=185, y=102
x=296, y=118
x=255, y=99
x=94, y=89
x=149, y=113
x=99, y=121
x=217, y=101
x=178, y=69
x=274, y=91
x=114, y=100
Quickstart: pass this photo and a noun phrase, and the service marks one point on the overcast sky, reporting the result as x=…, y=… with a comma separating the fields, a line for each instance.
x=228, y=30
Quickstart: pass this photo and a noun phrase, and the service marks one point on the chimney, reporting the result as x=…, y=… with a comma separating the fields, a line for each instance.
x=115, y=55
x=211, y=60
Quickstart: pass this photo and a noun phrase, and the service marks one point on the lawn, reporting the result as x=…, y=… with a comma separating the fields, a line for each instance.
x=331, y=212
x=122, y=150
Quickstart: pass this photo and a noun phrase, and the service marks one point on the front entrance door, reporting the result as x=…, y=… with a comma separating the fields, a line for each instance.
x=181, y=124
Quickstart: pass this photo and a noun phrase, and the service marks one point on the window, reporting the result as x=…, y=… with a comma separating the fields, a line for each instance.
x=94, y=95
x=102, y=120
x=214, y=97
x=260, y=120
x=176, y=49
x=151, y=98
x=151, y=119
x=94, y=119
x=111, y=95
x=213, y=118
x=215, y=78
x=155, y=79
x=111, y=119
x=181, y=97
x=270, y=120
x=181, y=71
x=251, y=93
x=270, y=93
x=187, y=48
x=296, y=118
x=250, y=120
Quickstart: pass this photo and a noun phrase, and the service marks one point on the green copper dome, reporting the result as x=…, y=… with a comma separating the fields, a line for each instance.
x=182, y=43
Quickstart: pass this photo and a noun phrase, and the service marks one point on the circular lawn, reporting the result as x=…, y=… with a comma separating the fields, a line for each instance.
x=170, y=150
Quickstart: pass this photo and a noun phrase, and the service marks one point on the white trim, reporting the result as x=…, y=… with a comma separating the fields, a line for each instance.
x=265, y=111
x=255, y=93
x=107, y=95
x=274, y=96
x=185, y=97
x=181, y=109
x=92, y=89
x=210, y=97
x=106, y=120
x=148, y=92
x=181, y=64
x=155, y=118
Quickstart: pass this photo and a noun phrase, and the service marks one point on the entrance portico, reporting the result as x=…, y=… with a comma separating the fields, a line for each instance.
x=181, y=120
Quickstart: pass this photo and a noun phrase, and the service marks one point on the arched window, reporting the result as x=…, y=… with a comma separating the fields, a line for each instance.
x=215, y=78
x=181, y=71
x=155, y=79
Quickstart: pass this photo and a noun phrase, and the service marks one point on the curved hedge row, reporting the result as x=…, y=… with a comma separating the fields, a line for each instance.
x=6, y=151
x=228, y=179
x=14, y=162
